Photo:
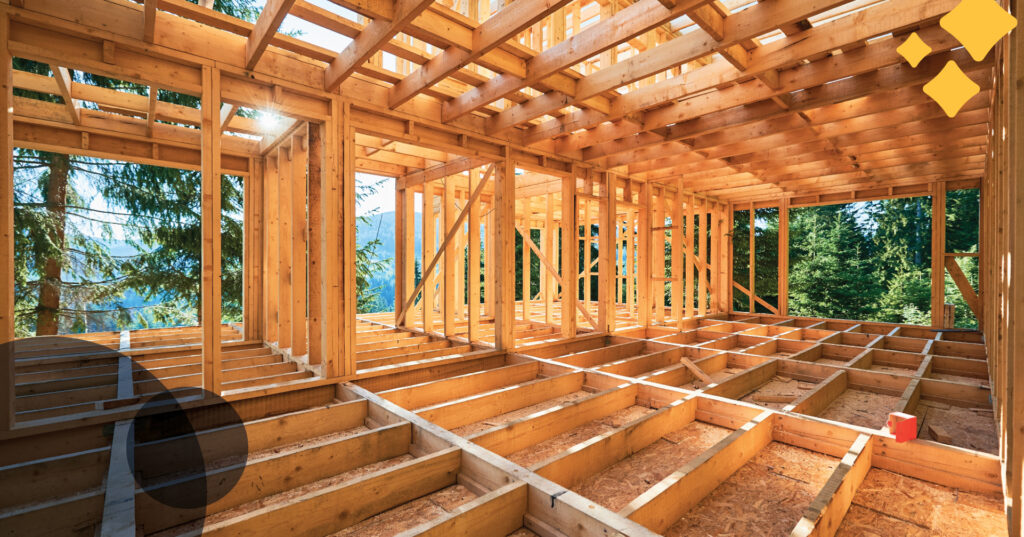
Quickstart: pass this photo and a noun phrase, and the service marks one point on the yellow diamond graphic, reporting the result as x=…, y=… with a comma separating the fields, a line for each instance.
x=914, y=49
x=978, y=25
x=951, y=89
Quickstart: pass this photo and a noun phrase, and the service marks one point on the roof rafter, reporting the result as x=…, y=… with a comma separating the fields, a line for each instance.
x=270, y=20
x=376, y=34
x=497, y=29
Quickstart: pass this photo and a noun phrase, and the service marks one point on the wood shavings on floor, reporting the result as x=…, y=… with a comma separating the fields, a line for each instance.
x=619, y=484
x=892, y=505
x=863, y=408
x=411, y=514
x=764, y=498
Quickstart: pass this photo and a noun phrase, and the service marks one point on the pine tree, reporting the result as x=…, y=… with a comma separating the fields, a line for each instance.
x=832, y=274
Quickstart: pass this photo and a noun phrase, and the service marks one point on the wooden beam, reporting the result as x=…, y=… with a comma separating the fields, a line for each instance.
x=825, y=514
x=374, y=36
x=964, y=285
x=473, y=299
x=349, y=293
x=504, y=258
x=607, y=33
x=149, y=26
x=300, y=165
x=570, y=256
x=211, y=245
x=317, y=162
x=664, y=503
x=64, y=81
x=938, y=253
x=7, y=274
x=273, y=14
x=606, y=266
x=154, y=101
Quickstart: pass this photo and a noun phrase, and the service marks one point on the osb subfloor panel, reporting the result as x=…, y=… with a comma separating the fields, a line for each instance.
x=717, y=376
x=783, y=387
x=858, y=407
x=967, y=427
x=507, y=417
x=553, y=446
x=892, y=505
x=286, y=497
x=412, y=514
x=766, y=497
x=619, y=484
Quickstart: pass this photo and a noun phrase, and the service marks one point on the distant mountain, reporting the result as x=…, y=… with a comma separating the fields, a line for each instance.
x=381, y=226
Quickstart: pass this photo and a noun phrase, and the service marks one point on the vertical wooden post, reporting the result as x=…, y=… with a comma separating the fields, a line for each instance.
x=678, y=259
x=606, y=252
x=314, y=188
x=753, y=263
x=784, y=257
x=211, y=212
x=702, y=254
x=548, y=283
x=402, y=264
x=631, y=261
x=526, y=268
x=448, y=275
x=272, y=264
x=284, y=199
x=473, y=285
x=460, y=267
x=588, y=229
x=408, y=246
x=489, y=266
x=1014, y=244
x=252, y=245
x=691, y=264
x=6, y=227
x=570, y=255
x=300, y=161
x=331, y=248
x=938, y=252
x=730, y=214
x=658, y=256
x=504, y=255
x=714, y=268
x=349, y=293
x=643, y=277
x=427, y=300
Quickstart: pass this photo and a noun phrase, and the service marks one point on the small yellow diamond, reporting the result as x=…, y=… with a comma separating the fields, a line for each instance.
x=914, y=49
x=951, y=89
x=978, y=25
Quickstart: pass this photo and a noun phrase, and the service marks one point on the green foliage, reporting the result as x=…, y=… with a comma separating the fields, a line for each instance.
x=869, y=261
x=832, y=275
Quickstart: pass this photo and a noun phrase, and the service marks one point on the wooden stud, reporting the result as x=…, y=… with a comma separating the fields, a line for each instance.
x=6, y=227
x=570, y=256
x=504, y=233
x=211, y=214
x=474, y=262
x=314, y=229
x=286, y=169
x=300, y=162
x=938, y=253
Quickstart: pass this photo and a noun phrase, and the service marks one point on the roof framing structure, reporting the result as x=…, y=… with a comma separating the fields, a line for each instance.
x=635, y=118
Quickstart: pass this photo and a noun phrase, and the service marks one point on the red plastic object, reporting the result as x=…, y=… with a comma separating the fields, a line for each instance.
x=903, y=426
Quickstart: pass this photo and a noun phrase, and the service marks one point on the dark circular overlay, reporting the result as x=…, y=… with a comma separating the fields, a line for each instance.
x=186, y=447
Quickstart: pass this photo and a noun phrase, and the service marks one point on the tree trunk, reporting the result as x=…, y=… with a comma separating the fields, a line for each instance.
x=56, y=206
